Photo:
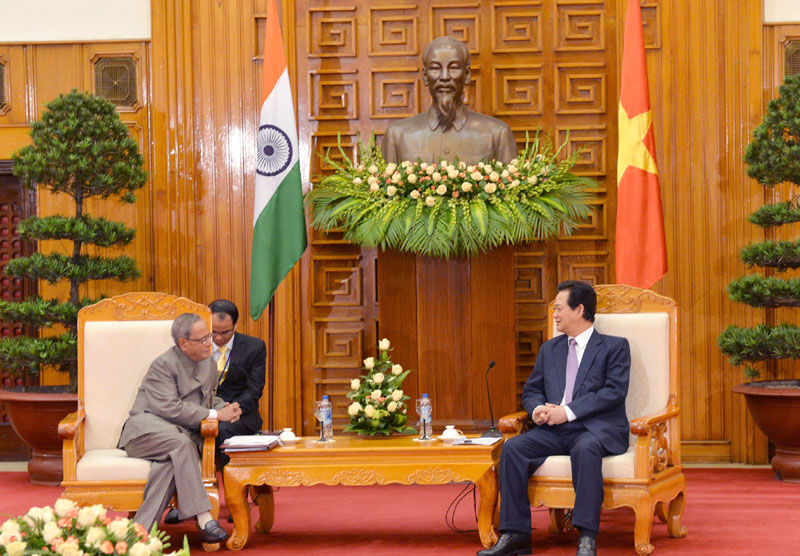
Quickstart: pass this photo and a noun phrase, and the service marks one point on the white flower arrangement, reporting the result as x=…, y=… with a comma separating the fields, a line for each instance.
x=378, y=401
x=68, y=530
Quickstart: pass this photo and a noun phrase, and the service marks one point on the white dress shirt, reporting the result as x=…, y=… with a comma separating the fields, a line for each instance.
x=215, y=354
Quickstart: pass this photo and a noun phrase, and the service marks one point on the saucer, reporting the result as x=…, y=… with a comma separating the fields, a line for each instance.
x=450, y=439
x=291, y=441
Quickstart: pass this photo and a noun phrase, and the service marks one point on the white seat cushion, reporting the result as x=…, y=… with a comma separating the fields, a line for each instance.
x=614, y=467
x=111, y=464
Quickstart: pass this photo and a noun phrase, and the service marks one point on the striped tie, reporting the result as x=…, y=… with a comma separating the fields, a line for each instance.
x=223, y=359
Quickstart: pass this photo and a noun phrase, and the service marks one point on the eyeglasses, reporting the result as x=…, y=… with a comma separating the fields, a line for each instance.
x=204, y=339
x=222, y=332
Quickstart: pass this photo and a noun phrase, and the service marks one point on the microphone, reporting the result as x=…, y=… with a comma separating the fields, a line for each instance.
x=492, y=432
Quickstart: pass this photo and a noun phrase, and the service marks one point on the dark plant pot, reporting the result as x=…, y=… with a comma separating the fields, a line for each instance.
x=775, y=408
x=35, y=417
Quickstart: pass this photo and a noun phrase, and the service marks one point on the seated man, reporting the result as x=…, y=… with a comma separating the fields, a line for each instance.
x=176, y=394
x=241, y=366
x=576, y=397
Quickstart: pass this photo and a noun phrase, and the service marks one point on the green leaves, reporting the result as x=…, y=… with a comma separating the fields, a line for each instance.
x=42, y=312
x=760, y=343
x=758, y=291
x=55, y=267
x=26, y=354
x=782, y=255
x=96, y=231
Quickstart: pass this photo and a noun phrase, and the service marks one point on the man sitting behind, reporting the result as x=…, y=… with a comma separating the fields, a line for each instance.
x=176, y=394
x=576, y=397
x=241, y=362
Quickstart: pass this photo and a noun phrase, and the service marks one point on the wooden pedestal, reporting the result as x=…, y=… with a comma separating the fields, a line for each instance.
x=447, y=319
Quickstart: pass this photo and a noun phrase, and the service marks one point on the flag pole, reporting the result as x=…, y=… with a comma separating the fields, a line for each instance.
x=271, y=366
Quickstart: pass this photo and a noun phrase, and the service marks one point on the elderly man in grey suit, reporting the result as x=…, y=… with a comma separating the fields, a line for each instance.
x=176, y=394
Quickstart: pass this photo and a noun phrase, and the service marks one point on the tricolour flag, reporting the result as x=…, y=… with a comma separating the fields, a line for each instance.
x=279, y=225
x=641, y=247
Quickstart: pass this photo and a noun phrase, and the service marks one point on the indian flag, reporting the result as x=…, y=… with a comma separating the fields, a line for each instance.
x=279, y=225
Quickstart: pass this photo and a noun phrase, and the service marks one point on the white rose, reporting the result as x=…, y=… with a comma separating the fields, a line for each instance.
x=430, y=170
x=372, y=180
x=70, y=548
x=376, y=395
x=391, y=190
x=533, y=180
x=412, y=178
x=423, y=165
x=51, y=531
x=119, y=527
x=442, y=189
x=452, y=174
x=476, y=175
x=390, y=168
x=139, y=549
x=392, y=406
x=369, y=363
x=154, y=544
x=384, y=344
x=466, y=187
x=397, y=395
x=415, y=194
x=354, y=408
x=514, y=183
x=512, y=168
x=373, y=169
x=397, y=369
x=494, y=176
x=34, y=516
x=490, y=188
x=437, y=177
x=396, y=177
x=354, y=384
x=505, y=174
x=430, y=201
x=16, y=548
x=369, y=411
x=95, y=537
x=63, y=506
x=357, y=181
x=90, y=514
x=377, y=378
x=10, y=526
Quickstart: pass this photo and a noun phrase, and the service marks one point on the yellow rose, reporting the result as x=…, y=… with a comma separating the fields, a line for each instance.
x=384, y=344
x=354, y=384
x=354, y=408
x=390, y=168
x=16, y=548
x=397, y=395
x=466, y=187
x=430, y=201
x=369, y=363
x=373, y=169
x=476, y=175
x=494, y=176
x=369, y=411
x=412, y=178
x=391, y=190
x=415, y=194
x=396, y=177
x=376, y=394
x=377, y=378
x=397, y=369
x=490, y=188
x=442, y=189
x=391, y=406
x=437, y=177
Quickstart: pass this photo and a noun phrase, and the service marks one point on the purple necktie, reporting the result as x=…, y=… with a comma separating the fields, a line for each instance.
x=572, y=370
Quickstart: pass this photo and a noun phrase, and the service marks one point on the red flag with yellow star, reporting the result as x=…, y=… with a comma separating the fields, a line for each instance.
x=641, y=247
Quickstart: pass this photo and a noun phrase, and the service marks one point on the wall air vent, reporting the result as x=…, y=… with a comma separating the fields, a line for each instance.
x=115, y=80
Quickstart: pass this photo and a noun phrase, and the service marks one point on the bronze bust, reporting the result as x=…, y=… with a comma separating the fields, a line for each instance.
x=448, y=129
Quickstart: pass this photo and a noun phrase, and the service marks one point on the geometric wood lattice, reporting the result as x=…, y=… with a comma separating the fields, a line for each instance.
x=2, y=85
x=791, y=58
x=115, y=80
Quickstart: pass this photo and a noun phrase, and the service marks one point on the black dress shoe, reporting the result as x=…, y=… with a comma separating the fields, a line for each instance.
x=587, y=546
x=212, y=532
x=509, y=544
x=172, y=517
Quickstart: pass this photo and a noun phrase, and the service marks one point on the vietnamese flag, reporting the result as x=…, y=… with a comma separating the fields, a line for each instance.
x=641, y=251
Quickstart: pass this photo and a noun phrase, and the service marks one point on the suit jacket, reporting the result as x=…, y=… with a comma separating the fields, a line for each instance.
x=235, y=388
x=175, y=391
x=250, y=354
x=601, y=385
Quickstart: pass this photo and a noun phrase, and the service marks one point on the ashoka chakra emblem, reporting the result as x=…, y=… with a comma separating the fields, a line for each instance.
x=274, y=151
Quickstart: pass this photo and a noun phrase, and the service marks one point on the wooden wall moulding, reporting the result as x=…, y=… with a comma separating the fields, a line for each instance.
x=393, y=30
x=394, y=92
x=332, y=32
x=518, y=90
x=460, y=20
x=580, y=29
x=516, y=28
x=333, y=94
x=580, y=88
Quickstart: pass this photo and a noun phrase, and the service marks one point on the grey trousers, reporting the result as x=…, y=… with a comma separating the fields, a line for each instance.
x=175, y=469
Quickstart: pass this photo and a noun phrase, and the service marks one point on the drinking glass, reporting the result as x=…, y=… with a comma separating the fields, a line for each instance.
x=319, y=413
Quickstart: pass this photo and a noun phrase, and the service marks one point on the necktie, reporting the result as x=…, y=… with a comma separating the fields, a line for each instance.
x=572, y=369
x=223, y=359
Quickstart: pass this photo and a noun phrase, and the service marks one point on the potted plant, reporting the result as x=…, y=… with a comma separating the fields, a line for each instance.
x=82, y=149
x=772, y=157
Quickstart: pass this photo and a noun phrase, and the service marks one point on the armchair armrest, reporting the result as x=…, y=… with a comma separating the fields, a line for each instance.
x=642, y=425
x=70, y=431
x=209, y=429
x=653, y=450
x=515, y=423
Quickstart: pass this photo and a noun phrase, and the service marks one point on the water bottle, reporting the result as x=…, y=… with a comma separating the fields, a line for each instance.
x=327, y=419
x=424, y=410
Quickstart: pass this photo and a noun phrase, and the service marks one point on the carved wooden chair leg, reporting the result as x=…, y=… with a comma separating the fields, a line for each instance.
x=661, y=511
x=674, y=526
x=557, y=521
x=643, y=509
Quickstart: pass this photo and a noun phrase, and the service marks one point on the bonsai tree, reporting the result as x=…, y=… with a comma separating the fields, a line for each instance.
x=772, y=157
x=82, y=149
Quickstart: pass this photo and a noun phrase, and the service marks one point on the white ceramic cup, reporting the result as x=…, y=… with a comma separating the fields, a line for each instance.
x=450, y=431
x=287, y=434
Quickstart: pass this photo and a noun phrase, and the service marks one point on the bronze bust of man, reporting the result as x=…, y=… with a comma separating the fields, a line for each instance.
x=448, y=129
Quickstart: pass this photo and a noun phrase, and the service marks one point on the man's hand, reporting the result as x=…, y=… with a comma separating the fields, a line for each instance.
x=231, y=412
x=556, y=414
x=540, y=415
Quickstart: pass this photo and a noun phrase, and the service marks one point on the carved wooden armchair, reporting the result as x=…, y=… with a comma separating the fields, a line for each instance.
x=649, y=476
x=118, y=338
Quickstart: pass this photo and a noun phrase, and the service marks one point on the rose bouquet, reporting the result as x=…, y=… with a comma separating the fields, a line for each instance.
x=67, y=530
x=450, y=208
x=378, y=401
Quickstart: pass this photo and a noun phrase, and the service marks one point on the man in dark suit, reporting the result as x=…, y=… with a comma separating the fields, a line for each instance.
x=576, y=397
x=176, y=394
x=241, y=363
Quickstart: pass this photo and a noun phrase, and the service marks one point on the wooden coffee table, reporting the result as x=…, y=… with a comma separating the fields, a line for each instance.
x=357, y=461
